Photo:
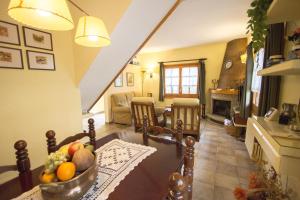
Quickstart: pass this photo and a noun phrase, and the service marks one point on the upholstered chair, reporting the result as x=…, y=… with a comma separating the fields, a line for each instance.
x=144, y=106
x=187, y=110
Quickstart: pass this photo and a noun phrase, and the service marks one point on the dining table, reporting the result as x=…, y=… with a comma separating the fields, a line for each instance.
x=148, y=180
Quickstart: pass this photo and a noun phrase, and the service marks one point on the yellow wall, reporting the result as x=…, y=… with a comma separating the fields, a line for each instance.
x=34, y=101
x=214, y=53
x=289, y=91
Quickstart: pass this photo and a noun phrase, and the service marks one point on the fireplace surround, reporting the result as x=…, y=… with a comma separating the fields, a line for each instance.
x=222, y=103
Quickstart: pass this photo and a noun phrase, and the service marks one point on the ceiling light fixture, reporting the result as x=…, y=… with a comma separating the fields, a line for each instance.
x=46, y=14
x=55, y=15
x=91, y=32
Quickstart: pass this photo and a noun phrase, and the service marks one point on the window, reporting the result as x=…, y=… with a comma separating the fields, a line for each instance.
x=181, y=80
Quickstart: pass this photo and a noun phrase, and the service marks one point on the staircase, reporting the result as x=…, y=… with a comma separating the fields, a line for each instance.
x=140, y=21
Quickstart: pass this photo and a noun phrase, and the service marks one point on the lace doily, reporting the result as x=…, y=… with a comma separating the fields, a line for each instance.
x=115, y=161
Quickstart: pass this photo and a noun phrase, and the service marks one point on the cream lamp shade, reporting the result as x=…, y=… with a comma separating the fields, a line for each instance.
x=91, y=32
x=43, y=14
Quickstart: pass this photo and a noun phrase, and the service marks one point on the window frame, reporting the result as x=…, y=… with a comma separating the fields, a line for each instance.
x=180, y=67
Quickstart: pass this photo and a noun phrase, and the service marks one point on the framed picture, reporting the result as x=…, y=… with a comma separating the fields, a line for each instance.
x=37, y=39
x=119, y=81
x=11, y=58
x=40, y=60
x=130, y=79
x=9, y=33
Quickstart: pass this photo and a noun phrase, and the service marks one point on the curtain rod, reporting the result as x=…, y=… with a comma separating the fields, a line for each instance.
x=183, y=60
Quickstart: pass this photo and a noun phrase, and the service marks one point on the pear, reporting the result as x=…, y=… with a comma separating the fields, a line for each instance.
x=83, y=159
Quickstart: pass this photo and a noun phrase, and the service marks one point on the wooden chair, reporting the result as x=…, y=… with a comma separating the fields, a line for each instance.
x=188, y=110
x=51, y=140
x=22, y=165
x=141, y=106
x=158, y=130
x=181, y=187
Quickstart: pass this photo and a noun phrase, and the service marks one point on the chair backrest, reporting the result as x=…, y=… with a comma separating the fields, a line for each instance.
x=158, y=130
x=181, y=187
x=140, y=107
x=188, y=110
x=22, y=165
x=51, y=140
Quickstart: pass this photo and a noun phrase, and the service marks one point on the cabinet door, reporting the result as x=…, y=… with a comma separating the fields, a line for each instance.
x=250, y=137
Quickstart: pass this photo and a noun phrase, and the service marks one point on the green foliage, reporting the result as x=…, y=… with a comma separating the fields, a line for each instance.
x=257, y=25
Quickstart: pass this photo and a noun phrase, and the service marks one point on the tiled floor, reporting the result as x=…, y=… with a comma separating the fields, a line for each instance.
x=221, y=162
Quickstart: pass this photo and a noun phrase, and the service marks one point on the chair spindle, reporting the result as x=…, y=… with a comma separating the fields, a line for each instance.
x=189, y=164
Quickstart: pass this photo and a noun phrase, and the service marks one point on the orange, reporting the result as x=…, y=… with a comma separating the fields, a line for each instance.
x=66, y=171
x=48, y=178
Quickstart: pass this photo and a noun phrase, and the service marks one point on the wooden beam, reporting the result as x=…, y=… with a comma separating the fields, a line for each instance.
x=173, y=8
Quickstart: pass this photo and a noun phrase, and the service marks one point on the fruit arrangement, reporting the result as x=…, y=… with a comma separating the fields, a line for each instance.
x=67, y=162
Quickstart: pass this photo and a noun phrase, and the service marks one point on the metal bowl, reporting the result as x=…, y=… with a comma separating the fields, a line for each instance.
x=72, y=189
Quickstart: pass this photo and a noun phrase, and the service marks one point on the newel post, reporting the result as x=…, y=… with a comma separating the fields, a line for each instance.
x=179, y=132
x=51, y=141
x=188, y=171
x=23, y=165
x=176, y=187
x=92, y=132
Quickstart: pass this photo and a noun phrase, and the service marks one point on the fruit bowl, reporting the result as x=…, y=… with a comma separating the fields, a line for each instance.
x=74, y=188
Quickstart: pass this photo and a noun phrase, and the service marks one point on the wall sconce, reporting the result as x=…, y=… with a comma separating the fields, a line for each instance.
x=243, y=58
x=151, y=74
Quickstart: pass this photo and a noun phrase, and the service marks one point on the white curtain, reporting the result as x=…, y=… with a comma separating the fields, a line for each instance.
x=258, y=65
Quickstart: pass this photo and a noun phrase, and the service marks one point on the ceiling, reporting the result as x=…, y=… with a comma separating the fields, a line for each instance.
x=196, y=22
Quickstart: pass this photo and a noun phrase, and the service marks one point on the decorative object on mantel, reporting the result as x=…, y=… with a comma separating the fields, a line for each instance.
x=9, y=33
x=257, y=24
x=288, y=114
x=119, y=81
x=40, y=60
x=112, y=169
x=55, y=15
x=215, y=83
x=11, y=58
x=263, y=185
x=37, y=39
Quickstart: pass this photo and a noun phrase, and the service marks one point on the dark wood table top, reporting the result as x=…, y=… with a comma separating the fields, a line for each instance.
x=148, y=180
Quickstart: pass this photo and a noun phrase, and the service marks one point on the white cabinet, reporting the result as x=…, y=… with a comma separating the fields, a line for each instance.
x=281, y=147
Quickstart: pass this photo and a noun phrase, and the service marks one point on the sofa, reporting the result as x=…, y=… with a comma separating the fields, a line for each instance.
x=120, y=107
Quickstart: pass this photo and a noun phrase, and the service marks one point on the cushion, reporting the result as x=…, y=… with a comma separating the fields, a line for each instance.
x=143, y=99
x=120, y=99
x=129, y=97
x=186, y=101
x=121, y=109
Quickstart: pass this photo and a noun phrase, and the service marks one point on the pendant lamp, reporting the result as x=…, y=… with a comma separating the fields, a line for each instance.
x=43, y=14
x=91, y=32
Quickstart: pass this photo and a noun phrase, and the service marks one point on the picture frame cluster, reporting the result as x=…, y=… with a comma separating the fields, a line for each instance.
x=12, y=58
x=129, y=79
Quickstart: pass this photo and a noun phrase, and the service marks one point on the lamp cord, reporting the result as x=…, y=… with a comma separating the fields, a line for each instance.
x=74, y=4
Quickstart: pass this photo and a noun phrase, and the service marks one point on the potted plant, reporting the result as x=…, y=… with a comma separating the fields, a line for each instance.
x=257, y=24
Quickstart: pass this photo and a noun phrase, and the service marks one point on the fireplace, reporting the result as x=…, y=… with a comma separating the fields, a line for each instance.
x=222, y=102
x=221, y=107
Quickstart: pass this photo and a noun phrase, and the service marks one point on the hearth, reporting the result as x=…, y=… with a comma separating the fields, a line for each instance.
x=221, y=107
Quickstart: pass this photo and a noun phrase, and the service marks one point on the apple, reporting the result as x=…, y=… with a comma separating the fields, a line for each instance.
x=74, y=147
